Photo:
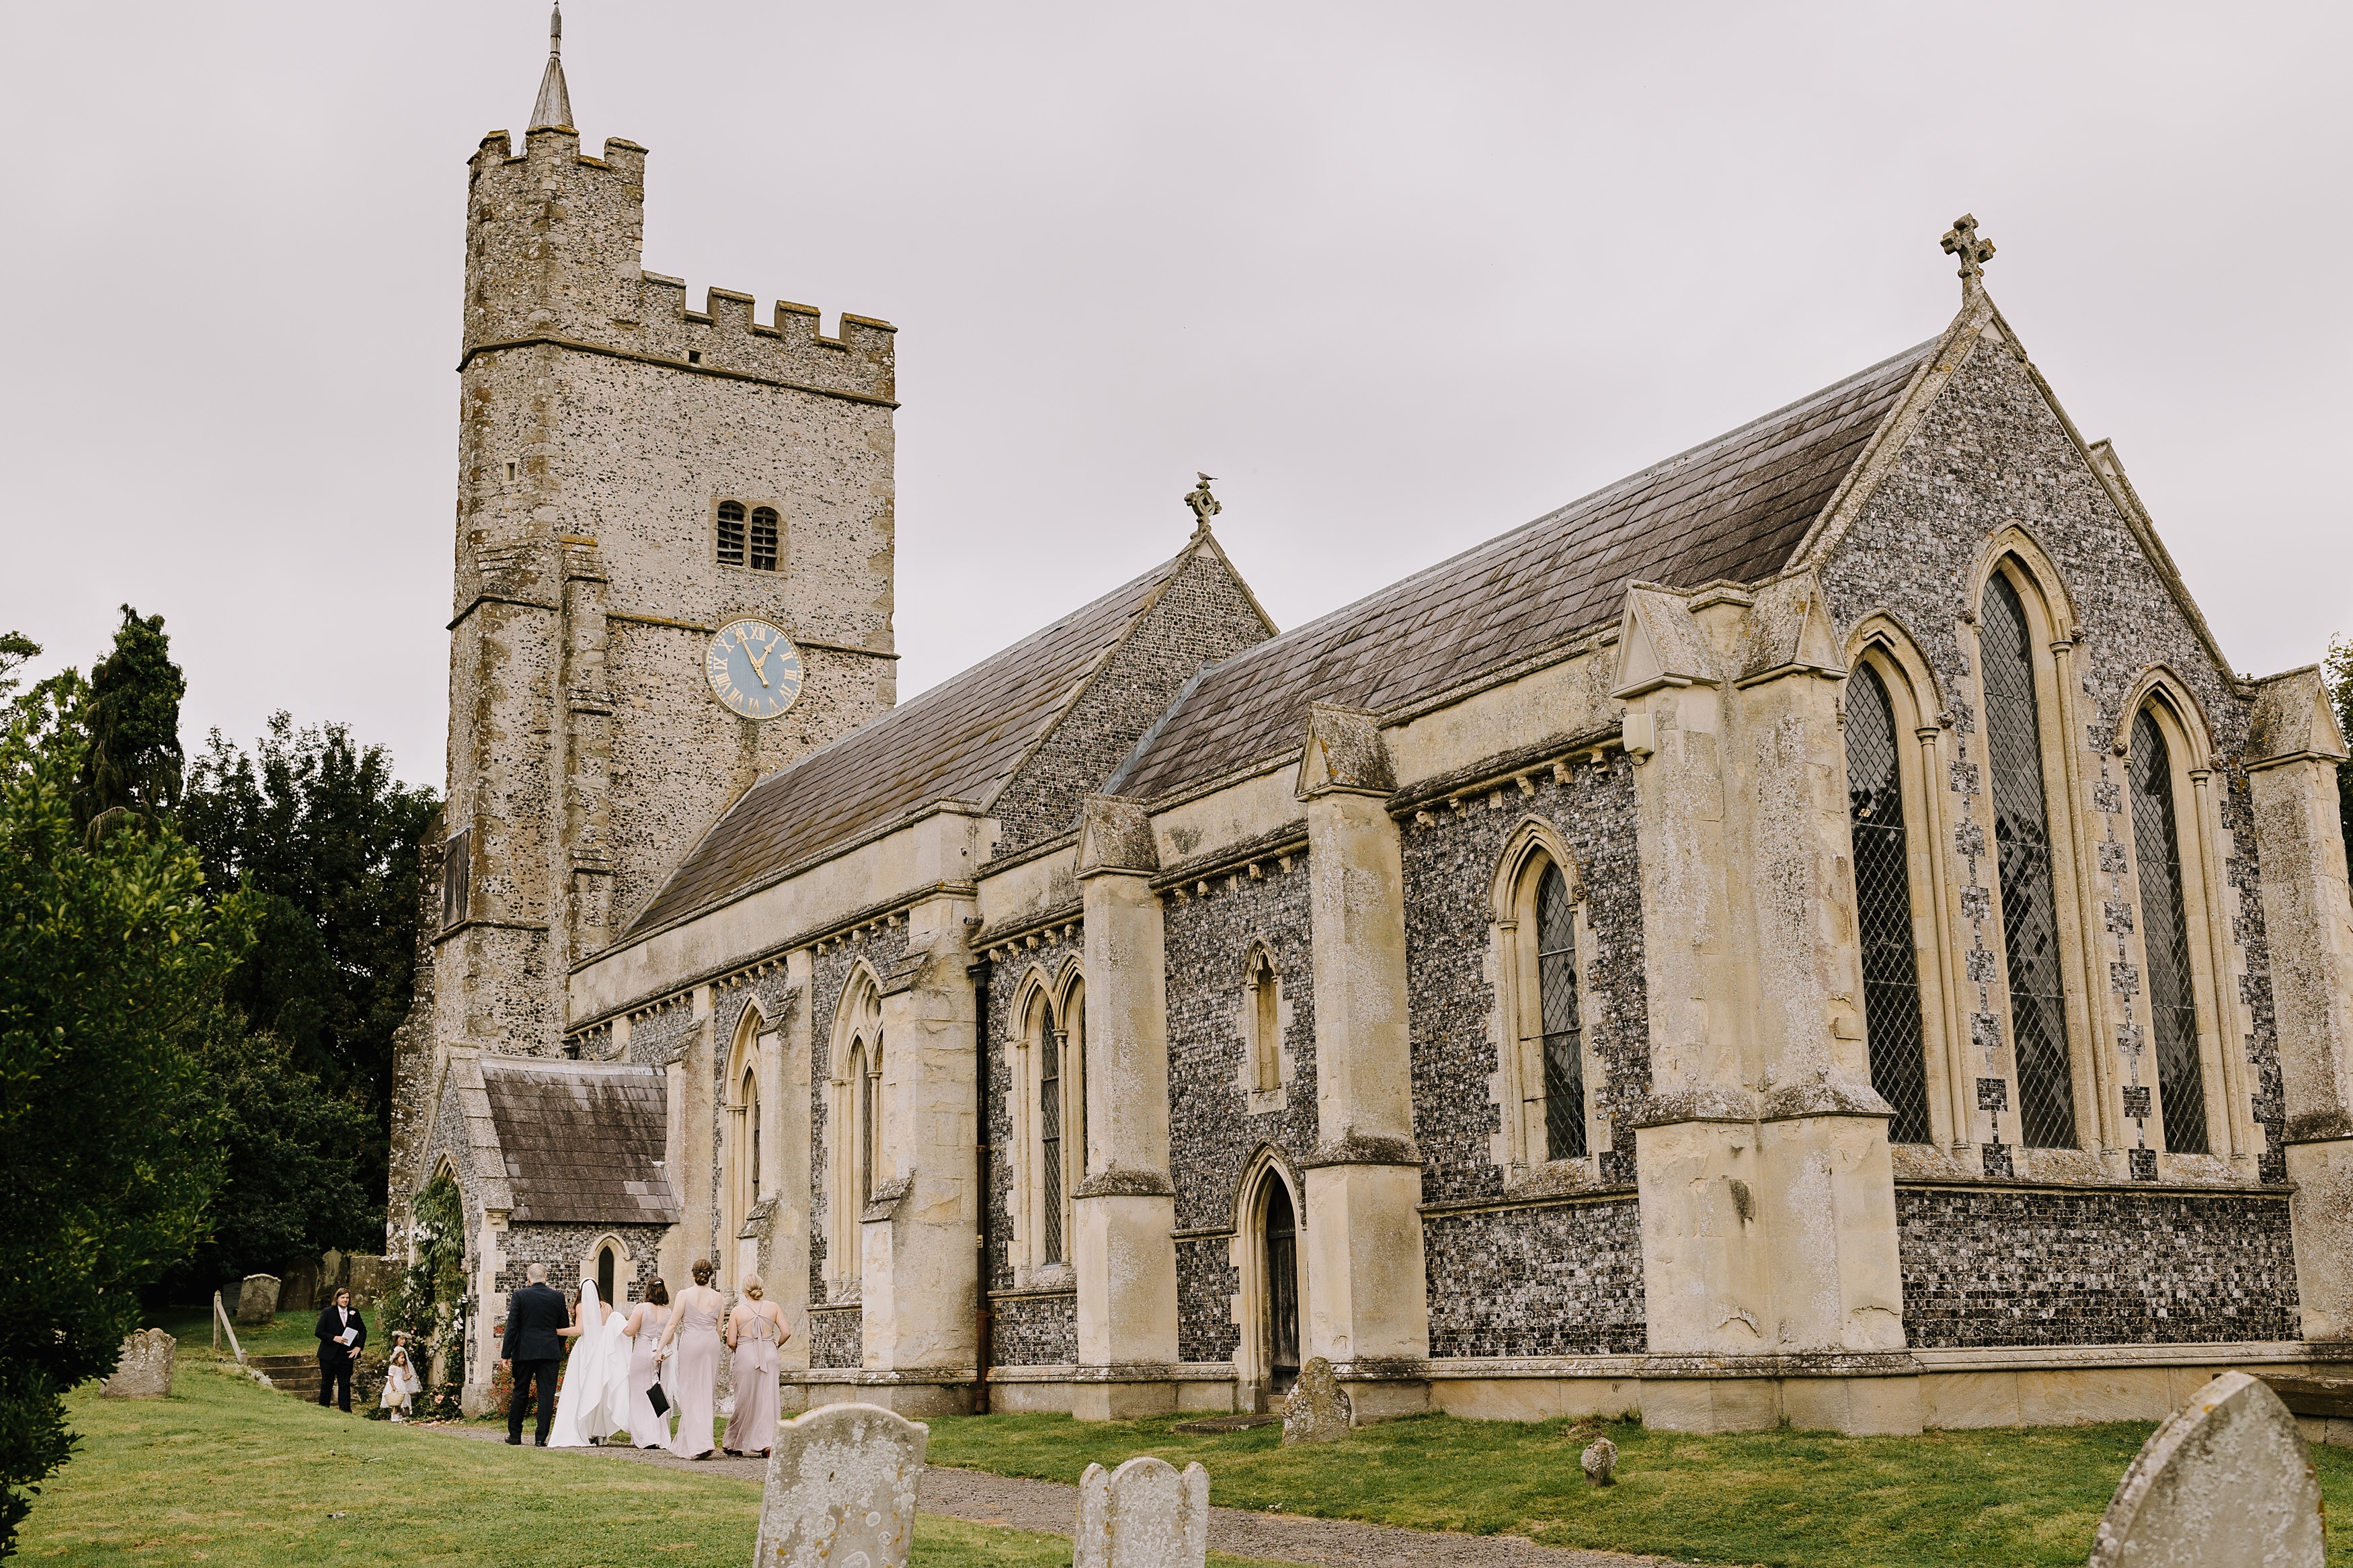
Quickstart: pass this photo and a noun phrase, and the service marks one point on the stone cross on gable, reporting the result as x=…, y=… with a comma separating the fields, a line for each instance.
x=1204, y=505
x=1962, y=240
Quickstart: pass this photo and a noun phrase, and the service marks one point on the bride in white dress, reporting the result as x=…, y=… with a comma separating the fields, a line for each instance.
x=595, y=1401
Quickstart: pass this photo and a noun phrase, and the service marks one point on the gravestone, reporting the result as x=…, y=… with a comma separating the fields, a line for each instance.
x=370, y=1280
x=298, y=1288
x=144, y=1370
x=2225, y=1483
x=1142, y=1515
x=1601, y=1463
x=842, y=1490
x=256, y=1300
x=1317, y=1410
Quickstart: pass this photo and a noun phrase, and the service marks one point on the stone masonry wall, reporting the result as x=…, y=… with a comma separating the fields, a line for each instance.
x=1211, y=1132
x=1202, y=616
x=837, y=1338
x=1451, y=866
x=2019, y=1267
x=1206, y=1283
x=1989, y=453
x=1563, y=1280
x=562, y=1247
x=1059, y=948
x=1034, y=1330
x=880, y=948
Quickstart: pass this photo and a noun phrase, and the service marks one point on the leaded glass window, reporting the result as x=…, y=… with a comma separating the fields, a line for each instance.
x=2165, y=930
x=2030, y=910
x=730, y=533
x=862, y=1115
x=1563, y=1058
x=1882, y=890
x=1050, y=1139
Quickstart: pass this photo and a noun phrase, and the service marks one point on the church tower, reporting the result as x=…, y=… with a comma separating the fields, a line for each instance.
x=645, y=492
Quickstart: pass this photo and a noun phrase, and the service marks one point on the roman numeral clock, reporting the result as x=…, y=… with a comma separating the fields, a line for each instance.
x=754, y=668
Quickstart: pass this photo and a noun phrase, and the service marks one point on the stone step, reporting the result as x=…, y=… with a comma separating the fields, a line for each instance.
x=273, y=1364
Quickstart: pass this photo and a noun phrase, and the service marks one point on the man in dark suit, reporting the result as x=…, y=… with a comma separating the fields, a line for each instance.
x=341, y=1335
x=536, y=1349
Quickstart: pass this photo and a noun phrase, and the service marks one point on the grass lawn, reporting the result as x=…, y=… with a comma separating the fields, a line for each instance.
x=294, y=1333
x=1804, y=1499
x=229, y=1472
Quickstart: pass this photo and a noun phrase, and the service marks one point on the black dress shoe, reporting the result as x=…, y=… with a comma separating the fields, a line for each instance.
x=515, y=1442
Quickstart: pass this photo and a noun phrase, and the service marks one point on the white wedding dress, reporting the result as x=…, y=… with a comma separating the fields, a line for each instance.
x=595, y=1402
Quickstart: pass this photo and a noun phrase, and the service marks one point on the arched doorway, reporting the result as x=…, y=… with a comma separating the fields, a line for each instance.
x=1279, y=1266
x=606, y=1265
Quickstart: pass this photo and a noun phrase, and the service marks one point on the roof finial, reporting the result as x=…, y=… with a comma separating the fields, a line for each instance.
x=554, y=105
x=1204, y=505
x=1962, y=240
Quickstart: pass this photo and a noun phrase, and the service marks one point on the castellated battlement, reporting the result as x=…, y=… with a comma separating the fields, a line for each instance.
x=554, y=245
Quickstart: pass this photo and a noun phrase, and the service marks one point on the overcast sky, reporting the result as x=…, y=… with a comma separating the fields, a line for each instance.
x=1401, y=277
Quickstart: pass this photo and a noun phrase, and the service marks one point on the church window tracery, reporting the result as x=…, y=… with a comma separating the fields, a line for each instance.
x=2165, y=934
x=1539, y=913
x=1053, y=1144
x=1882, y=885
x=2029, y=906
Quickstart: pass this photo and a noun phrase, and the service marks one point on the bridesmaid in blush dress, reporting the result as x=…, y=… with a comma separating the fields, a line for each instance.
x=647, y=1429
x=755, y=1332
x=694, y=1380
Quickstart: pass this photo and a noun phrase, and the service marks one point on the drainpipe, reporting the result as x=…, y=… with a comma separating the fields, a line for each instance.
x=979, y=972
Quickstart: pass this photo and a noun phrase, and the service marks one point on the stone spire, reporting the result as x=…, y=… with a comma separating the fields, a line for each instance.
x=554, y=105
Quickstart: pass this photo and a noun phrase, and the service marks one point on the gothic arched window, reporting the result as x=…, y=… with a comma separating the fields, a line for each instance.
x=1265, y=1020
x=2023, y=852
x=1882, y=889
x=730, y=533
x=1050, y=1136
x=2165, y=933
x=1564, y=1034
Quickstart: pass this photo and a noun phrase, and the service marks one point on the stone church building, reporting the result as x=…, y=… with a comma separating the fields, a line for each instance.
x=1814, y=930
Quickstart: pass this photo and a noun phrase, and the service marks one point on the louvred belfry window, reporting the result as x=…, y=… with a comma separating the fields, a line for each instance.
x=2030, y=914
x=2164, y=928
x=764, y=540
x=1882, y=889
x=730, y=533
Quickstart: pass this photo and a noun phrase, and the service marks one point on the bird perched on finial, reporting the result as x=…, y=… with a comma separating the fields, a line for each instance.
x=1204, y=505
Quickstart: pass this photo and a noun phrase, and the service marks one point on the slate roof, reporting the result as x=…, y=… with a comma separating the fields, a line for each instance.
x=1733, y=507
x=581, y=1142
x=959, y=741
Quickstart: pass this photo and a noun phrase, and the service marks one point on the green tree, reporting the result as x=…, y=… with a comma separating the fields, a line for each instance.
x=132, y=763
x=15, y=648
x=316, y=832
x=111, y=967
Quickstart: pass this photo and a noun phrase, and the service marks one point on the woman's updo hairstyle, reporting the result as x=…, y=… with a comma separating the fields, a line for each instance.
x=657, y=1293
x=703, y=1271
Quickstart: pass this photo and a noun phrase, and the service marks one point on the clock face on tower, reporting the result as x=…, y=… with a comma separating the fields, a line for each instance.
x=754, y=668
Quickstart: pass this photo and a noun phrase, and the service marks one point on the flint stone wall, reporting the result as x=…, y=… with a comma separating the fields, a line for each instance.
x=2021, y=1267
x=1451, y=866
x=837, y=1338
x=562, y=1247
x=1563, y=1280
x=1989, y=453
x=1034, y=1330
x=880, y=949
x=1050, y=961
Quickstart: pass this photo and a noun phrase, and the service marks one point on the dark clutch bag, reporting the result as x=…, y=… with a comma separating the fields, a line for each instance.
x=660, y=1400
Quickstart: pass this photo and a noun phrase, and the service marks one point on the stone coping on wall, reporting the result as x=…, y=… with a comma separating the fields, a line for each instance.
x=1032, y=1292
x=881, y=1377
x=1172, y=1371
x=1965, y=1184
x=1545, y=1196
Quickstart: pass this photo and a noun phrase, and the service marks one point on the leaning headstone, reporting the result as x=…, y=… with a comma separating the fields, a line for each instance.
x=256, y=1299
x=842, y=1490
x=1601, y=1463
x=1142, y=1515
x=143, y=1371
x=2224, y=1483
x=1317, y=1410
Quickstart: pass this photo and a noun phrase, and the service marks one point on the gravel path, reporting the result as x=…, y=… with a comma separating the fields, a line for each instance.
x=1050, y=1507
